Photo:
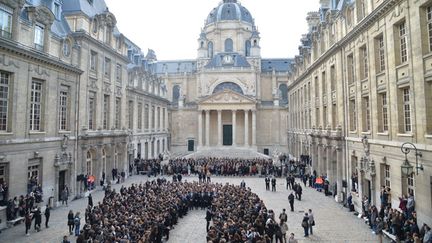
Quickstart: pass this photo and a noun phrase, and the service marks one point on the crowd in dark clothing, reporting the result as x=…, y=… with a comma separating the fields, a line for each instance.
x=146, y=213
x=220, y=166
x=401, y=222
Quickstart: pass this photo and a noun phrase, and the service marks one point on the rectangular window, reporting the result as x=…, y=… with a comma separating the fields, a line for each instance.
x=350, y=68
x=36, y=105
x=57, y=10
x=333, y=78
x=366, y=115
x=118, y=113
x=4, y=100
x=403, y=42
x=106, y=112
x=381, y=54
x=140, y=116
x=387, y=175
x=119, y=73
x=407, y=109
x=365, y=64
x=130, y=113
x=153, y=116
x=316, y=88
x=334, y=116
x=429, y=25
x=163, y=118
x=384, y=112
x=6, y=14
x=325, y=117
x=411, y=184
x=92, y=111
x=324, y=83
x=64, y=109
x=146, y=117
x=93, y=60
x=353, y=115
x=3, y=170
x=39, y=34
x=107, y=67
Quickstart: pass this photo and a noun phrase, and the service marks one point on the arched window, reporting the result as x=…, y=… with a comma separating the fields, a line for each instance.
x=176, y=94
x=228, y=85
x=247, y=48
x=89, y=163
x=228, y=45
x=255, y=43
x=95, y=26
x=202, y=44
x=283, y=94
x=210, y=49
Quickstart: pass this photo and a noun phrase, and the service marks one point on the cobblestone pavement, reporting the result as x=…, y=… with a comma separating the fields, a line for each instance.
x=333, y=222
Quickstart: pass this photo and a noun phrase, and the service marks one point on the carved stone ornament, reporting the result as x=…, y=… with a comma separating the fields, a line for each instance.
x=227, y=96
x=13, y=3
x=41, y=14
x=6, y=61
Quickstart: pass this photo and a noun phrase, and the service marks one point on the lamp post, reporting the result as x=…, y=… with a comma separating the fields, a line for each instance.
x=407, y=168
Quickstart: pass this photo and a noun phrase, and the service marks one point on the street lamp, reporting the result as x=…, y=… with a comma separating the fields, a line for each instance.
x=407, y=168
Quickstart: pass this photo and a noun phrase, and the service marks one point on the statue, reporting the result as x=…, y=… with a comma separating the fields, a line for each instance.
x=65, y=142
x=366, y=146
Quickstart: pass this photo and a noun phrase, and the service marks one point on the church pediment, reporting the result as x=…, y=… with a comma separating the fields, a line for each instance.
x=227, y=97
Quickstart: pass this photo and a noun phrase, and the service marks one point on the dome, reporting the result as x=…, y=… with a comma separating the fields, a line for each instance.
x=230, y=10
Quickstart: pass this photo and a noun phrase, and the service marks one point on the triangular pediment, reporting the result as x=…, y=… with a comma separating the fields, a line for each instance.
x=227, y=97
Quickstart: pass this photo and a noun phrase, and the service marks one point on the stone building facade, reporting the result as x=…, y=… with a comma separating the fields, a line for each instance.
x=67, y=82
x=360, y=90
x=229, y=96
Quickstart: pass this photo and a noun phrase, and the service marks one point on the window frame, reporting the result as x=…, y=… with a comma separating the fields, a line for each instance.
x=5, y=100
x=36, y=105
x=64, y=109
x=406, y=98
x=6, y=30
x=39, y=37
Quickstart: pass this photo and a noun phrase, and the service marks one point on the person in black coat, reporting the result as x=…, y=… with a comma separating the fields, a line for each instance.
x=273, y=182
x=90, y=201
x=47, y=215
x=38, y=219
x=208, y=217
x=305, y=224
x=291, y=201
x=299, y=191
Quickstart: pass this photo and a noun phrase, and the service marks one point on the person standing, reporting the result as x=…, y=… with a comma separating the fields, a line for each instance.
x=90, y=201
x=70, y=222
x=311, y=221
x=292, y=239
x=273, y=182
x=209, y=216
x=267, y=183
x=305, y=225
x=283, y=217
x=77, y=223
x=38, y=219
x=299, y=191
x=284, y=229
x=65, y=195
x=291, y=201
x=28, y=220
x=47, y=215
x=243, y=184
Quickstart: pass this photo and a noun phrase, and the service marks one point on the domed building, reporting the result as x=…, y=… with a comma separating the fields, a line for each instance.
x=229, y=96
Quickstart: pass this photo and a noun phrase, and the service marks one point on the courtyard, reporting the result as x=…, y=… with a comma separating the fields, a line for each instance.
x=333, y=222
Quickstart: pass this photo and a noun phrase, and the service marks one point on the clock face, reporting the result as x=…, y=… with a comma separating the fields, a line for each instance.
x=228, y=59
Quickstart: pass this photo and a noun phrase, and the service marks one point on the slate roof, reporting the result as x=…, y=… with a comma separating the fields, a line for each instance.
x=176, y=66
x=239, y=61
x=278, y=64
x=73, y=6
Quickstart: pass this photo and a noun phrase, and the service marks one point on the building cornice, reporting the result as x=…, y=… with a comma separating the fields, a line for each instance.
x=31, y=54
x=83, y=35
x=369, y=20
x=133, y=90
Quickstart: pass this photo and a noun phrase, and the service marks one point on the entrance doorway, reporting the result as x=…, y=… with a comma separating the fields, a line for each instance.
x=61, y=184
x=227, y=135
x=191, y=145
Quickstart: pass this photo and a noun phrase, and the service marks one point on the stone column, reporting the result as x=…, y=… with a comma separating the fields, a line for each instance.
x=234, y=123
x=319, y=158
x=254, y=130
x=329, y=163
x=207, y=128
x=149, y=155
x=200, y=129
x=219, y=128
x=246, y=137
x=339, y=171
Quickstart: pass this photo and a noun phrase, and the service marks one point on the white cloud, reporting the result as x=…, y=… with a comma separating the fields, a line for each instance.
x=172, y=27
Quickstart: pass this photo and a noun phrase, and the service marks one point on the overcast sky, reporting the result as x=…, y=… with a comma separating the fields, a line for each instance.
x=172, y=27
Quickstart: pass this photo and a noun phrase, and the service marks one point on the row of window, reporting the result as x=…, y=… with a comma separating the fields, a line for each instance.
x=106, y=67
x=36, y=109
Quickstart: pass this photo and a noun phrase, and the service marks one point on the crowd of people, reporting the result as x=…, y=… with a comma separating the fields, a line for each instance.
x=221, y=166
x=146, y=212
x=400, y=222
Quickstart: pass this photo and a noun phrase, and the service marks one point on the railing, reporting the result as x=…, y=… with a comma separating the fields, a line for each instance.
x=39, y=47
